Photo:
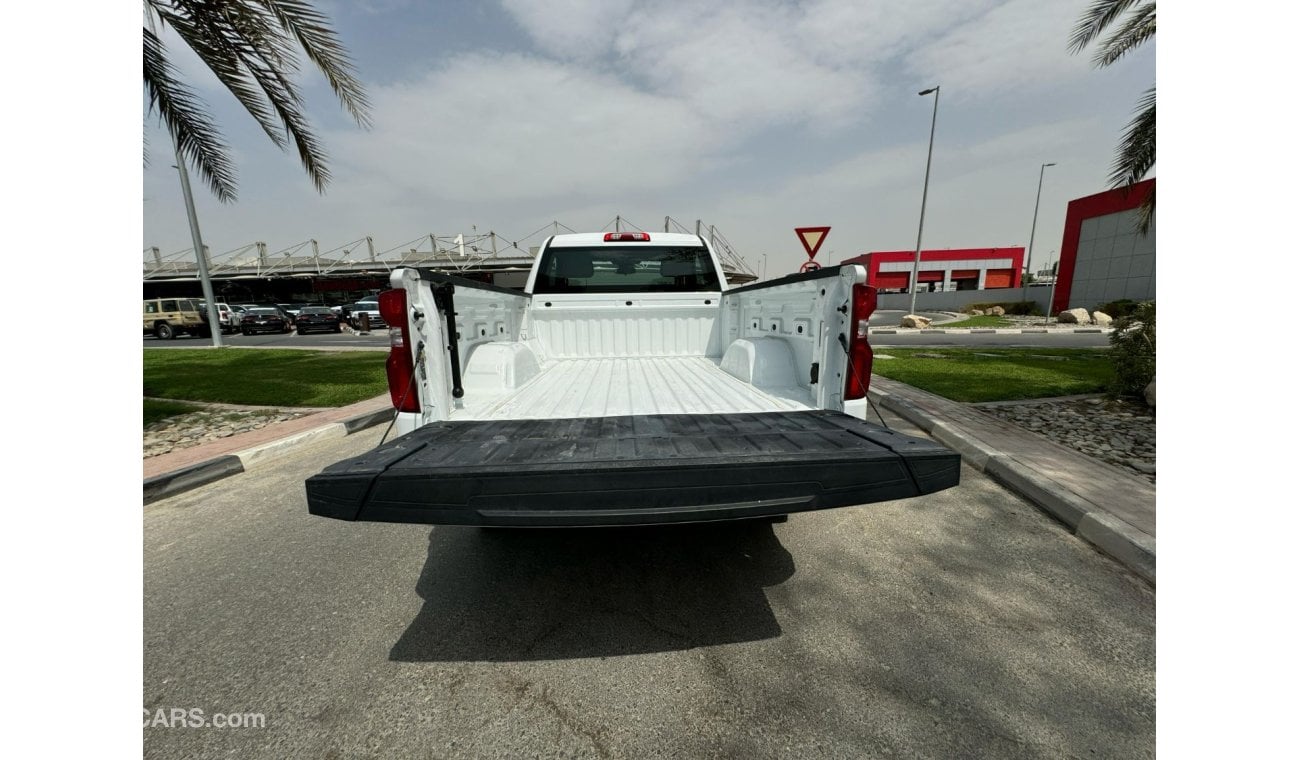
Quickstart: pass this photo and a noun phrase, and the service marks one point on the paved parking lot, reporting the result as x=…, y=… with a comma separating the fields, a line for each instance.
x=963, y=624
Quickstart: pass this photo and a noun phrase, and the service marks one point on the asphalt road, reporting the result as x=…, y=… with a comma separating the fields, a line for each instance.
x=346, y=339
x=962, y=624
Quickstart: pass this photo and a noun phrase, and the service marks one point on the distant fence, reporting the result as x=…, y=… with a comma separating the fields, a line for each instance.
x=956, y=300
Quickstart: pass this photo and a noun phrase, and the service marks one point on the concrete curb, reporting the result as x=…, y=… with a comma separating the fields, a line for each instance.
x=162, y=486
x=202, y=473
x=941, y=330
x=1122, y=542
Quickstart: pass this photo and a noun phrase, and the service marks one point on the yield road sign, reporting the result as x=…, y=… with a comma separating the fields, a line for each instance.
x=812, y=238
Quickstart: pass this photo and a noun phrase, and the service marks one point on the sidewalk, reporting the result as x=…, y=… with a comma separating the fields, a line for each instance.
x=1102, y=504
x=187, y=468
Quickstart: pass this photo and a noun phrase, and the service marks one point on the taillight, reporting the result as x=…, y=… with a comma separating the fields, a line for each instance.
x=627, y=237
x=858, y=376
x=400, y=365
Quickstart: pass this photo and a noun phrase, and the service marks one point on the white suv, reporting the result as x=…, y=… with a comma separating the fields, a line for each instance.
x=366, y=307
x=228, y=316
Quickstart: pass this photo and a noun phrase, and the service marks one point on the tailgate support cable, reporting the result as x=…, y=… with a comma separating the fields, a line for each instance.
x=854, y=373
x=419, y=358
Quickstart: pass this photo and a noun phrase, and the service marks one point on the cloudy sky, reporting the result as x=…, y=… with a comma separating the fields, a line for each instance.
x=756, y=116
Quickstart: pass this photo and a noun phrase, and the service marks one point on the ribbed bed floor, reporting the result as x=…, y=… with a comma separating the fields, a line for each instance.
x=628, y=386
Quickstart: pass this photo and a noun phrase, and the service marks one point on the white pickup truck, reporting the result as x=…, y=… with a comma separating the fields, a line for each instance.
x=628, y=384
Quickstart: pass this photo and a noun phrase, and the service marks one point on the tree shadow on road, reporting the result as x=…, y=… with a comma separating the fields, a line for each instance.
x=518, y=595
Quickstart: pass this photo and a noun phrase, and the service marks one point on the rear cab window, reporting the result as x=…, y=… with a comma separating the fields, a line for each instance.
x=626, y=269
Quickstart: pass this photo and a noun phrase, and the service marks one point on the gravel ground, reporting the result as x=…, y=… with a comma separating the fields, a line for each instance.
x=1117, y=431
x=191, y=429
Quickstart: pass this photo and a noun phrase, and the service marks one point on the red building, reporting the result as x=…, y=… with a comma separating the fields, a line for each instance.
x=1103, y=256
x=949, y=269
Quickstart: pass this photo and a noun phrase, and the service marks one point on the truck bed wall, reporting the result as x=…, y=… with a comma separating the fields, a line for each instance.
x=566, y=326
x=803, y=314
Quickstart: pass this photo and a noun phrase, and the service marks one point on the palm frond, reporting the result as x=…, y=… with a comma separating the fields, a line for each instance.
x=1137, y=149
x=323, y=49
x=213, y=38
x=1100, y=15
x=1137, y=156
x=251, y=46
x=185, y=116
x=1140, y=27
x=1147, y=212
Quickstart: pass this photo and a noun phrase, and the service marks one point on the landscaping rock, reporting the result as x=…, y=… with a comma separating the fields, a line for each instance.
x=1073, y=317
x=1149, y=393
x=915, y=320
x=195, y=428
x=977, y=312
x=1101, y=319
x=1120, y=432
x=998, y=311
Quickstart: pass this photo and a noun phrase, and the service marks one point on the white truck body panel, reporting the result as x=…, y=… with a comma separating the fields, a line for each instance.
x=635, y=388
x=562, y=355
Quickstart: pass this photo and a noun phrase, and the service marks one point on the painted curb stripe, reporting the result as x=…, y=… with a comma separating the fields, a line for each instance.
x=198, y=474
x=212, y=470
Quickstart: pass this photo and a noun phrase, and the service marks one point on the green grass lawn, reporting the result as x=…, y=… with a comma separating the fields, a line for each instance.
x=999, y=374
x=987, y=320
x=155, y=410
x=264, y=378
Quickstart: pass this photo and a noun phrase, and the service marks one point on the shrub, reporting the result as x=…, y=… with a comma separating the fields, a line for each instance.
x=1021, y=308
x=1133, y=349
x=1124, y=307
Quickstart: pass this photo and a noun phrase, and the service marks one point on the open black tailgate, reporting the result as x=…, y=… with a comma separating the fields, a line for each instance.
x=630, y=470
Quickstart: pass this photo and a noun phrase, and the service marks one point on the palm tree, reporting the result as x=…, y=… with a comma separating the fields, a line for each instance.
x=252, y=48
x=1137, y=150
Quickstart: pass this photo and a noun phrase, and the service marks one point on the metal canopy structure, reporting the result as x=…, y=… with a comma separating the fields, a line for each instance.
x=476, y=253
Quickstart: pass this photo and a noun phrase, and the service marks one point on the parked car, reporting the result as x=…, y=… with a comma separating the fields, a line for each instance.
x=291, y=309
x=168, y=317
x=230, y=319
x=318, y=318
x=277, y=308
x=370, y=308
x=263, y=320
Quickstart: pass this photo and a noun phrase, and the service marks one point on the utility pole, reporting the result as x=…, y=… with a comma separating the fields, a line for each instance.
x=214, y=317
x=925, y=190
x=1029, y=255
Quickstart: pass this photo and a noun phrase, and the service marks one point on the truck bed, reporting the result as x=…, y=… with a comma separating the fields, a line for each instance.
x=628, y=470
x=610, y=387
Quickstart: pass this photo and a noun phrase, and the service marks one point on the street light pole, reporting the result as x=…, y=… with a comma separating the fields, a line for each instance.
x=1052, y=295
x=764, y=275
x=1029, y=255
x=200, y=251
x=925, y=190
